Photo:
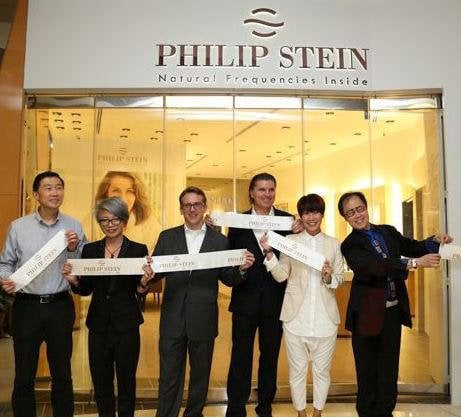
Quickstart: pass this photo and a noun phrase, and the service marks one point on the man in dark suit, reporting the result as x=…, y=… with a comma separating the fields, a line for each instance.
x=255, y=305
x=189, y=315
x=378, y=302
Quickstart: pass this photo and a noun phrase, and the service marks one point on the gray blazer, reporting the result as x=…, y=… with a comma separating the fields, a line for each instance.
x=189, y=304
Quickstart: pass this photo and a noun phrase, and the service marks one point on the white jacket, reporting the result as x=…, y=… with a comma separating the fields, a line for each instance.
x=297, y=275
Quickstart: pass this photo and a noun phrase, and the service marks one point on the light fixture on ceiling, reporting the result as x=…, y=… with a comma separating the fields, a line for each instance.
x=57, y=113
x=76, y=128
x=286, y=127
x=186, y=140
x=59, y=120
x=199, y=154
x=278, y=151
x=288, y=159
x=242, y=150
x=215, y=165
x=291, y=146
x=332, y=143
x=268, y=156
x=60, y=127
x=76, y=122
x=329, y=113
x=126, y=129
x=159, y=131
x=358, y=134
x=390, y=121
x=193, y=134
x=123, y=136
x=75, y=114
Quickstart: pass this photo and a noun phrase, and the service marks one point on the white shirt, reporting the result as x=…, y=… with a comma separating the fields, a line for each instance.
x=194, y=238
x=258, y=232
x=312, y=319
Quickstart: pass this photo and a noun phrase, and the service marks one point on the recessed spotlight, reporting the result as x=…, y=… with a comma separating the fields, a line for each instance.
x=332, y=143
x=306, y=140
x=358, y=134
x=75, y=114
x=126, y=129
x=268, y=156
x=57, y=113
x=271, y=166
x=159, y=131
x=189, y=160
x=244, y=166
x=123, y=136
x=76, y=122
x=187, y=140
x=59, y=120
x=60, y=127
x=199, y=154
x=76, y=128
x=286, y=127
x=329, y=113
x=390, y=121
x=215, y=165
x=242, y=150
x=288, y=160
x=291, y=146
x=193, y=133
x=278, y=151
x=153, y=138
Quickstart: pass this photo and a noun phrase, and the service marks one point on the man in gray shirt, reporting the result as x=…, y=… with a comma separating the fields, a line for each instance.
x=43, y=310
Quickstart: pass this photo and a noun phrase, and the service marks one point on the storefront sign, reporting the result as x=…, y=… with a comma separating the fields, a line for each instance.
x=243, y=44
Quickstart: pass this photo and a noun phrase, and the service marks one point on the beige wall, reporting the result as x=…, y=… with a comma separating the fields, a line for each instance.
x=11, y=103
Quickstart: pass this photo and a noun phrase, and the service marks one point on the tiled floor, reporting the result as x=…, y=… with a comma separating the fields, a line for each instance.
x=413, y=370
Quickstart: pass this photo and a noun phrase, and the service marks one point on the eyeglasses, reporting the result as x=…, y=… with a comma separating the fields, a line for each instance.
x=350, y=213
x=196, y=206
x=115, y=221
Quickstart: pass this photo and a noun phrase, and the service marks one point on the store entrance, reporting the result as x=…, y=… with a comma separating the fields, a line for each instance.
x=153, y=147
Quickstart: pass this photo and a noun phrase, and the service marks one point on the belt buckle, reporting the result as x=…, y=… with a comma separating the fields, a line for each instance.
x=44, y=299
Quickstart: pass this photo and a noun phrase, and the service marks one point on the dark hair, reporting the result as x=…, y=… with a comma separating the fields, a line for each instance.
x=347, y=196
x=141, y=207
x=194, y=190
x=42, y=175
x=114, y=205
x=263, y=176
x=311, y=203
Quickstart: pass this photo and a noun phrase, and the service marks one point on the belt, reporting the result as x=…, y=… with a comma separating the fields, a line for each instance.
x=43, y=299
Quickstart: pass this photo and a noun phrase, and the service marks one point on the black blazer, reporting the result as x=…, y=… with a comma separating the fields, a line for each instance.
x=189, y=304
x=367, y=300
x=260, y=293
x=114, y=297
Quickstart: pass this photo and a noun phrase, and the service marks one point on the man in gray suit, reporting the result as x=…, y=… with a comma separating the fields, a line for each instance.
x=189, y=315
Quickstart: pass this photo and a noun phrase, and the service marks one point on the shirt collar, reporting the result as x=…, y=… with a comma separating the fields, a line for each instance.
x=271, y=212
x=40, y=218
x=188, y=230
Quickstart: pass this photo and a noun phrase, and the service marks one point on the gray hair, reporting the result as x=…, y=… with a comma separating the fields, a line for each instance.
x=115, y=205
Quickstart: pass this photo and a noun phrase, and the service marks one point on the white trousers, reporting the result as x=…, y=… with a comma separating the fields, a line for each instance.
x=301, y=350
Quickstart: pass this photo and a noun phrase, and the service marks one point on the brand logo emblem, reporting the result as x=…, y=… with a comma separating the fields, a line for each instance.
x=265, y=31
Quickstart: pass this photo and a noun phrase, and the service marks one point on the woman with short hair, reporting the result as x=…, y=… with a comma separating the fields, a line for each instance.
x=309, y=311
x=114, y=315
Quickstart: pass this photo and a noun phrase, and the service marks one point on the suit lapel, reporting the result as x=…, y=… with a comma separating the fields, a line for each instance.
x=207, y=244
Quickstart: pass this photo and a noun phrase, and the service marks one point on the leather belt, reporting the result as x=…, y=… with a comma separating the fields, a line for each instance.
x=43, y=299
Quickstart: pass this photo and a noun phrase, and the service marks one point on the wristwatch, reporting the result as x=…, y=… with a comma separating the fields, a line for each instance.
x=414, y=264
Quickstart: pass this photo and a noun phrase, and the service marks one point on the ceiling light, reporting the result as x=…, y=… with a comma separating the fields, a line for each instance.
x=193, y=134
x=333, y=143
x=75, y=114
x=358, y=134
x=268, y=156
x=77, y=128
x=286, y=127
x=278, y=151
x=291, y=146
x=159, y=131
x=199, y=154
x=329, y=113
x=288, y=160
x=60, y=127
x=215, y=165
x=242, y=150
x=59, y=120
x=76, y=122
x=57, y=113
x=123, y=136
x=187, y=140
x=390, y=121
x=126, y=129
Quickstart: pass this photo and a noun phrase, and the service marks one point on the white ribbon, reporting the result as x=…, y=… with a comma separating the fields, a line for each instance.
x=40, y=260
x=165, y=263
x=296, y=250
x=450, y=252
x=251, y=221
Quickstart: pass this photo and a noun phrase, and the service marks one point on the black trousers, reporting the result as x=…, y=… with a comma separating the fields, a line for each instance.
x=377, y=367
x=32, y=324
x=239, y=378
x=173, y=358
x=106, y=351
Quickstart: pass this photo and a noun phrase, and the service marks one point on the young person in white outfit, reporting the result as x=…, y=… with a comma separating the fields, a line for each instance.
x=309, y=312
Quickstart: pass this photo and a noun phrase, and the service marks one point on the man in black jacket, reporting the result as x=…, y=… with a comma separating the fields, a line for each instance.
x=189, y=316
x=378, y=302
x=255, y=305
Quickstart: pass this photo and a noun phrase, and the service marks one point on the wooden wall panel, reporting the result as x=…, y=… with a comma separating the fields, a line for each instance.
x=11, y=119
